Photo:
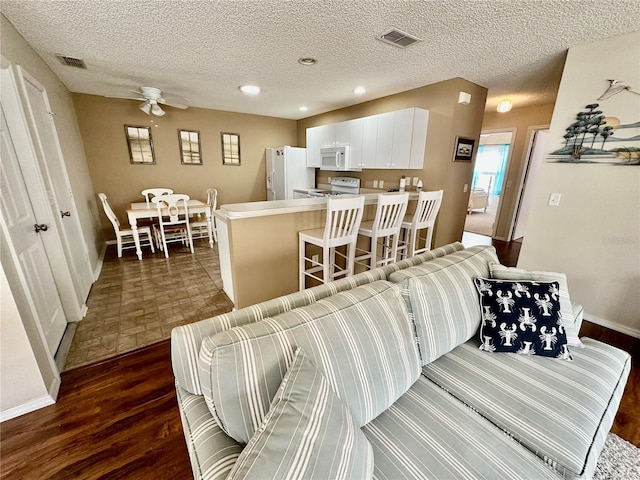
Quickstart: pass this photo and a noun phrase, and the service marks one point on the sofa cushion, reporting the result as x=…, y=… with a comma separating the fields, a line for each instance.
x=307, y=433
x=360, y=340
x=476, y=259
x=560, y=410
x=443, y=300
x=501, y=272
x=187, y=339
x=521, y=317
x=428, y=434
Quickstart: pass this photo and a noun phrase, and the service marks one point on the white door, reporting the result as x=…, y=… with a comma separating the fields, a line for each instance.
x=37, y=106
x=531, y=171
x=19, y=220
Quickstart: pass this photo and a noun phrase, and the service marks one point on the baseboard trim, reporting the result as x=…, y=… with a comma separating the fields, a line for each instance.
x=98, y=269
x=632, y=332
x=32, y=405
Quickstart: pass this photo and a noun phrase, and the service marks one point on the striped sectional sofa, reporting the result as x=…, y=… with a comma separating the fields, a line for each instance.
x=379, y=375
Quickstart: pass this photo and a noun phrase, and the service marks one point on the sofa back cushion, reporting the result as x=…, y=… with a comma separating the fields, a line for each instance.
x=443, y=299
x=186, y=340
x=360, y=340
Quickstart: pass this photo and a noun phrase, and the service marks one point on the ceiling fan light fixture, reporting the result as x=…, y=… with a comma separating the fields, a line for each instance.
x=156, y=110
x=145, y=107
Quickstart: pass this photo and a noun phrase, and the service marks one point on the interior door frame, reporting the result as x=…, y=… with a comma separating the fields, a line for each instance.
x=531, y=131
x=57, y=190
x=513, y=131
x=11, y=264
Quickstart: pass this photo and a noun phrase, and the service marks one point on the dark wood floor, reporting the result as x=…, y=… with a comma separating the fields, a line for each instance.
x=119, y=420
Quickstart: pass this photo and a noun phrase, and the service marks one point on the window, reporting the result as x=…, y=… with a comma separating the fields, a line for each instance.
x=140, y=145
x=190, y=152
x=230, y=148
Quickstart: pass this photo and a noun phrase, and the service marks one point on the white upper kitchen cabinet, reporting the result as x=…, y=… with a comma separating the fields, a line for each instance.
x=369, y=136
x=356, y=130
x=384, y=140
x=313, y=149
x=419, y=138
x=343, y=133
x=402, y=133
x=401, y=138
x=327, y=135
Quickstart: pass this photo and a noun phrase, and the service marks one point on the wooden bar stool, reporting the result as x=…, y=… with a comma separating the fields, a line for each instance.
x=344, y=215
x=385, y=228
x=424, y=218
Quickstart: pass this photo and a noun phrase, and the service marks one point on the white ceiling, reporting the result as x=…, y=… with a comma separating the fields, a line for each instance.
x=204, y=50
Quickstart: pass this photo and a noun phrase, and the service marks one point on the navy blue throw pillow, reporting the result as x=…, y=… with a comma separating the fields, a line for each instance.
x=522, y=317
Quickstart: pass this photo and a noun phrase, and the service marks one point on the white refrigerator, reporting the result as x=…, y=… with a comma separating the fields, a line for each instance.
x=286, y=170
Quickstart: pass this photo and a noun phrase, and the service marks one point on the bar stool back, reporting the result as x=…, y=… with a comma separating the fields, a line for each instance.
x=344, y=215
x=424, y=218
x=385, y=228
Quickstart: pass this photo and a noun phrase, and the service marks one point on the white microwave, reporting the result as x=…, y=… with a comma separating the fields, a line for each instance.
x=337, y=159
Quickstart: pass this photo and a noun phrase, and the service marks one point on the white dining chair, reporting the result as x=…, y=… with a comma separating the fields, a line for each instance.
x=173, y=220
x=424, y=218
x=124, y=236
x=344, y=215
x=150, y=193
x=199, y=227
x=383, y=230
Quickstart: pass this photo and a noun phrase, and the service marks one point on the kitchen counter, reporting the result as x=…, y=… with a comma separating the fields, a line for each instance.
x=282, y=207
x=258, y=244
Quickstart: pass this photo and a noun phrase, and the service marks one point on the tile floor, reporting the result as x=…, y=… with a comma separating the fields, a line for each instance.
x=136, y=303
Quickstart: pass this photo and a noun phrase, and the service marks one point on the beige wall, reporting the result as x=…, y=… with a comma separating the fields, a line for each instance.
x=17, y=360
x=447, y=119
x=102, y=123
x=521, y=120
x=594, y=234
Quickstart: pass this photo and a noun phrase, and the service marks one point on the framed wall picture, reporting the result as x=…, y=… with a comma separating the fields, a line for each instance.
x=190, y=150
x=464, y=149
x=140, y=145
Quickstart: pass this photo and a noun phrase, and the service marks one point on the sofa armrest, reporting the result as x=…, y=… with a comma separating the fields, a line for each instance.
x=212, y=453
x=578, y=316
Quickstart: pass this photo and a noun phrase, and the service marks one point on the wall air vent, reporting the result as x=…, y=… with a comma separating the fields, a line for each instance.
x=72, y=62
x=398, y=38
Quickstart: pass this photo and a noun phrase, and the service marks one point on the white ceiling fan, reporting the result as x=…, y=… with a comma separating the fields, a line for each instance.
x=151, y=100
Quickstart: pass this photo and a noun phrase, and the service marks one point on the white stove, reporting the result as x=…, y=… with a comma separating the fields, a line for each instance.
x=339, y=186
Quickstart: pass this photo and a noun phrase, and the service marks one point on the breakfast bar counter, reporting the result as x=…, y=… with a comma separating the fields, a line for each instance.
x=258, y=244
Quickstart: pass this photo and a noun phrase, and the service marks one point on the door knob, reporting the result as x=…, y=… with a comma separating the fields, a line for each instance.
x=65, y=214
x=42, y=227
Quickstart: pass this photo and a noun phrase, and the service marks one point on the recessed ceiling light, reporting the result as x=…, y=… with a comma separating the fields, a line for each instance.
x=504, y=105
x=303, y=108
x=250, y=89
x=307, y=61
x=359, y=90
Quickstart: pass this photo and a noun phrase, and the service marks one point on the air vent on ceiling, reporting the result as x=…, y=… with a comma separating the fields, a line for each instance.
x=398, y=38
x=72, y=62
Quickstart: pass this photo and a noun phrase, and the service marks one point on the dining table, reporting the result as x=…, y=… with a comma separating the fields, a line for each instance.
x=141, y=210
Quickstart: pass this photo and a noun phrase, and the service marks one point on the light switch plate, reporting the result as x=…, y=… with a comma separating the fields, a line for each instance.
x=381, y=184
x=466, y=187
x=415, y=181
x=375, y=184
x=554, y=199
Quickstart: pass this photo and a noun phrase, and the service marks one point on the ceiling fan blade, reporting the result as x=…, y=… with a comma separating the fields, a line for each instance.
x=174, y=105
x=142, y=99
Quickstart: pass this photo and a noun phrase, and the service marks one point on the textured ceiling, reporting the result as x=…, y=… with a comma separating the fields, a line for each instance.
x=204, y=50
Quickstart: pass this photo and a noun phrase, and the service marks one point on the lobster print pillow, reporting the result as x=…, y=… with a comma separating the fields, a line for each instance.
x=522, y=317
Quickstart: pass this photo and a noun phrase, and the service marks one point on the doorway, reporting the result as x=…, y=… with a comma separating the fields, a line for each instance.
x=535, y=153
x=488, y=182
